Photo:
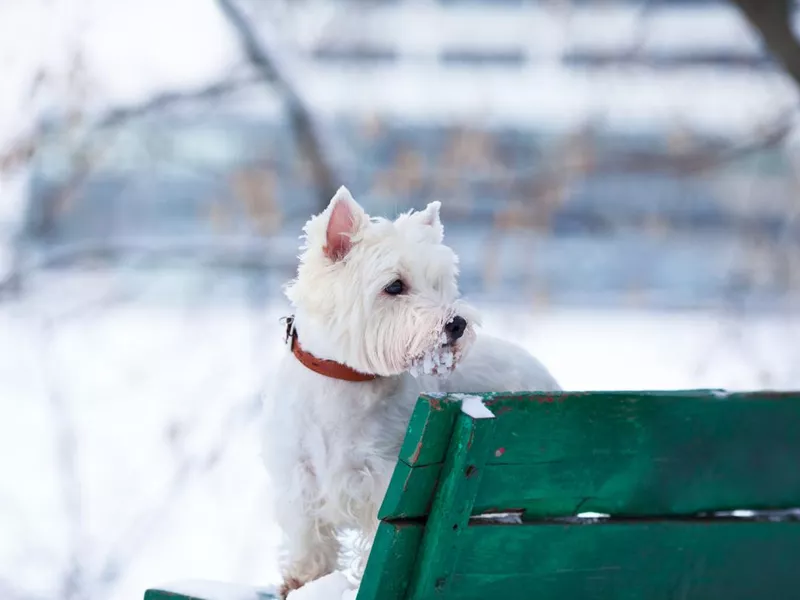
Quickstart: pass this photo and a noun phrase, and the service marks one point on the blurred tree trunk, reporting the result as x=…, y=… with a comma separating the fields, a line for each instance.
x=265, y=57
x=773, y=19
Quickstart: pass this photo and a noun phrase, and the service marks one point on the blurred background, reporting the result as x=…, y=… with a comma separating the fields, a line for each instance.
x=619, y=178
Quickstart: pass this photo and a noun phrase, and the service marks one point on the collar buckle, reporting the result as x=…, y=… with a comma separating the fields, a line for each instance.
x=289, y=331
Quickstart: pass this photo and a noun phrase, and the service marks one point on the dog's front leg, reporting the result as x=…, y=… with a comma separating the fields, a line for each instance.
x=312, y=552
x=311, y=545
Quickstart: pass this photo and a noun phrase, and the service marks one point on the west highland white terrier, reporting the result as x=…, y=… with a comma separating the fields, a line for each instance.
x=377, y=321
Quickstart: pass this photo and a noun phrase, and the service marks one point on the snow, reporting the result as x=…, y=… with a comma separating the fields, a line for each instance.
x=542, y=31
x=158, y=387
x=474, y=406
x=792, y=514
x=500, y=518
x=119, y=70
x=439, y=360
x=214, y=590
x=46, y=37
x=554, y=98
x=331, y=587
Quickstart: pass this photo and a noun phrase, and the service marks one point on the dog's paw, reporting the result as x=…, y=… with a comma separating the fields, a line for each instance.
x=333, y=585
x=289, y=585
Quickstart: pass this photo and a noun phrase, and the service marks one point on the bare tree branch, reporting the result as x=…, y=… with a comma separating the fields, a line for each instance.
x=167, y=99
x=23, y=149
x=84, y=161
x=698, y=161
x=265, y=60
x=772, y=18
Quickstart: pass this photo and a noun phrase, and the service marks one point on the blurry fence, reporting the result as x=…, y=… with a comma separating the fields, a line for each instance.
x=668, y=218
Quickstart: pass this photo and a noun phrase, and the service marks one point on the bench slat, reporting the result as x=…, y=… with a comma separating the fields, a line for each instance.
x=410, y=491
x=452, y=506
x=701, y=560
x=632, y=454
x=209, y=590
x=428, y=435
x=391, y=561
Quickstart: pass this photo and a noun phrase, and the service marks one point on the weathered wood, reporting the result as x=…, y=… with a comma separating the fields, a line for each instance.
x=689, y=560
x=391, y=562
x=410, y=492
x=424, y=448
x=637, y=454
x=452, y=506
x=431, y=421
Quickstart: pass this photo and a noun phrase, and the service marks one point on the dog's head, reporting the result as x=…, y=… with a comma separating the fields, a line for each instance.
x=381, y=296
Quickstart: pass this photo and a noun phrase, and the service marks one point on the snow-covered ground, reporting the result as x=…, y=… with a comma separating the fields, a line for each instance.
x=130, y=454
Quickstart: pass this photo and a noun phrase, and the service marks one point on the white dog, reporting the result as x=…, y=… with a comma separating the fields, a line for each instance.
x=374, y=301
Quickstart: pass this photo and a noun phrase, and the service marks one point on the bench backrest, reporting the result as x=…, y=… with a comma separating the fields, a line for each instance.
x=661, y=464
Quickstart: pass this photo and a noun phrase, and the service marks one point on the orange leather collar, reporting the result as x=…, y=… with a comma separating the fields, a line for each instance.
x=328, y=368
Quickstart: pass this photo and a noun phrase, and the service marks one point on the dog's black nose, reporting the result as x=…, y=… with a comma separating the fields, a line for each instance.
x=455, y=328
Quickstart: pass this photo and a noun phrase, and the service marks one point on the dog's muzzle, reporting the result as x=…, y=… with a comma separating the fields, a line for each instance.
x=455, y=328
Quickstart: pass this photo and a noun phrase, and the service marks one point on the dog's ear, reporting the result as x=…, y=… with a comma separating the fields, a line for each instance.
x=345, y=218
x=430, y=217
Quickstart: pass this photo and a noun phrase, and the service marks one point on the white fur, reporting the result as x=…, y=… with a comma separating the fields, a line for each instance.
x=330, y=445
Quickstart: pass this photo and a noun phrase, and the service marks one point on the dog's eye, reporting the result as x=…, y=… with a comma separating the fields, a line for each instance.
x=395, y=288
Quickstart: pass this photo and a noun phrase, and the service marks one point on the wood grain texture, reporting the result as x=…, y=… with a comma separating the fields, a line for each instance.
x=391, y=562
x=686, y=560
x=429, y=429
x=452, y=506
x=410, y=492
x=635, y=454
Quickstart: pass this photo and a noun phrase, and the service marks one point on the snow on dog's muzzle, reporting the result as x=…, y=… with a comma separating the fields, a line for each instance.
x=442, y=358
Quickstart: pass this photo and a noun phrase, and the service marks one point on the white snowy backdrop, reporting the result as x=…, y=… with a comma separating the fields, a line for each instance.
x=132, y=366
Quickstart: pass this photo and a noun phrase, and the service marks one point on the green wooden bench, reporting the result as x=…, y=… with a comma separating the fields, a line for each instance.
x=670, y=468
